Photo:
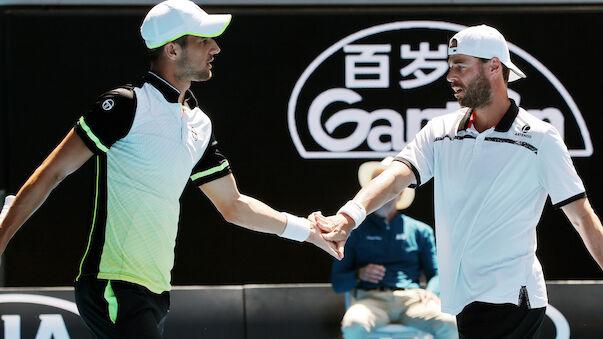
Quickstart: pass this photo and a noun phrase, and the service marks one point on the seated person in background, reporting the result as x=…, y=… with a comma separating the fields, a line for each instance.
x=383, y=261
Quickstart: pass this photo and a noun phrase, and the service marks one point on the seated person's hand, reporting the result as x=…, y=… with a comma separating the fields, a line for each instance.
x=371, y=273
x=428, y=296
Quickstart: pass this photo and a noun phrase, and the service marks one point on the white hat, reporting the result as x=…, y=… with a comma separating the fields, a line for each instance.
x=484, y=42
x=366, y=172
x=171, y=19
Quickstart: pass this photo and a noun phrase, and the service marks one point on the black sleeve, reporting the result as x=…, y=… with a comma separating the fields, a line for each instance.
x=212, y=165
x=108, y=120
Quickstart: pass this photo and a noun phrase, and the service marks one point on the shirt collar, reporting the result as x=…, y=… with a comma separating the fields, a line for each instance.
x=169, y=92
x=503, y=125
x=507, y=120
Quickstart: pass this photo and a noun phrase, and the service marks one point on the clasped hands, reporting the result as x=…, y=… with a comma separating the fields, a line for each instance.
x=330, y=233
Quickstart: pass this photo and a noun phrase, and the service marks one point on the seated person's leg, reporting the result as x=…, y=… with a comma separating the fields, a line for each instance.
x=364, y=316
x=426, y=315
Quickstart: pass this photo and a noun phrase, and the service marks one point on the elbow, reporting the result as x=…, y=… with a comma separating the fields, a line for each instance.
x=229, y=215
x=45, y=177
x=581, y=221
x=231, y=212
x=56, y=179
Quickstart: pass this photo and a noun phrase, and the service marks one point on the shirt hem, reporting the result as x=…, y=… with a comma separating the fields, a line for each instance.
x=413, y=169
x=535, y=302
x=569, y=200
x=134, y=280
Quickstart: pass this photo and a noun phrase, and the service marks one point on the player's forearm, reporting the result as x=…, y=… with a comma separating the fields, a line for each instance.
x=255, y=215
x=384, y=187
x=29, y=198
x=590, y=229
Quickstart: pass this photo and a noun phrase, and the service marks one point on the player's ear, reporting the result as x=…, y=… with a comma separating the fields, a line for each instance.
x=171, y=50
x=494, y=65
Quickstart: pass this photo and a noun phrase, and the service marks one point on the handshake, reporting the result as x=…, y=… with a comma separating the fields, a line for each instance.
x=8, y=202
x=330, y=233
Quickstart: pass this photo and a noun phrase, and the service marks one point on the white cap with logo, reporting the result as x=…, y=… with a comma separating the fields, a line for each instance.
x=484, y=42
x=171, y=19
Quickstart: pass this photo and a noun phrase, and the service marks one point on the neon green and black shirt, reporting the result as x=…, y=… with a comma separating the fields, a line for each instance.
x=147, y=146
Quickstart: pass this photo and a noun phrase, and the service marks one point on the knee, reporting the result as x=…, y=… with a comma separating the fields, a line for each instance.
x=353, y=331
x=356, y=324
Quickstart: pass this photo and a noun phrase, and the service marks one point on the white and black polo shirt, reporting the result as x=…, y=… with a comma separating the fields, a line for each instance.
x=147, y=146
x=489, y=190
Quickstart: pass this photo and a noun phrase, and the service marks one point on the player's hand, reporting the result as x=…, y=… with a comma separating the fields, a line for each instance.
x=336, y=228
x=316, y=238
x=372, y=273
x=428, y=296
x=8, y=202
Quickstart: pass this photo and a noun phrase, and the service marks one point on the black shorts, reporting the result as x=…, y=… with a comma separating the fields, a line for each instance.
x=118, y=309
x=485, y=320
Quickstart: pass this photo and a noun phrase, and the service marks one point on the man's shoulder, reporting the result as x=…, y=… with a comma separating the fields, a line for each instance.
x=117, y=101
x=449, y=122
x=528, y=122
x=126, y=90
x=537, y=130
x=120, y=97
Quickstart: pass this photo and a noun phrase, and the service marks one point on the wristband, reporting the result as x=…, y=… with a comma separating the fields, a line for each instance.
x=8, y=201
x=354, y=210
x=297, y=228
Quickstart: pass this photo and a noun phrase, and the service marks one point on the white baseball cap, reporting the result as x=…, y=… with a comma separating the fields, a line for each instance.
x=484, y=42
x=171, y=19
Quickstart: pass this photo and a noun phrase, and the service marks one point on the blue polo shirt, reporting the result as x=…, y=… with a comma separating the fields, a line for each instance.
x=405, y=247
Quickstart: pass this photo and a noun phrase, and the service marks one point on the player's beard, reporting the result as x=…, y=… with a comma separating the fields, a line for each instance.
x=188, y=70
x=478, y=94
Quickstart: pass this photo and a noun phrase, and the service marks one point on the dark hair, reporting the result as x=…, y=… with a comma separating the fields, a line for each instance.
x=155, y=53
x=505, y=70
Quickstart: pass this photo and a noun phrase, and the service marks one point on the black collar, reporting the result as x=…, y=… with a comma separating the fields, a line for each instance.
x=503, y=125
x=169, y=92
x=507, y=120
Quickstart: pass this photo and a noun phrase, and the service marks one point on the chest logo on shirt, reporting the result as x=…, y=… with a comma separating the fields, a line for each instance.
x=524, y=132
x=525, y=128
x=373, y=237
x=108, y=104
x=400, y=236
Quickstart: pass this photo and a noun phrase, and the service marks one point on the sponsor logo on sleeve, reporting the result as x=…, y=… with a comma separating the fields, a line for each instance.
x=108, y=104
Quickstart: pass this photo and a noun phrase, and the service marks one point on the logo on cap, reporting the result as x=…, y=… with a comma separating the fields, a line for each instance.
x=108, y=104
x=453, y=43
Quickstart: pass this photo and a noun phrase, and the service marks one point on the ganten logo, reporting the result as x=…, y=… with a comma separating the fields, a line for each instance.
x=367, y=95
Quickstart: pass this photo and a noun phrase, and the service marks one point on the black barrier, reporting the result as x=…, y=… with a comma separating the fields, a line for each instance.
x=289, y=311
x=273, y=66
x=266, y=312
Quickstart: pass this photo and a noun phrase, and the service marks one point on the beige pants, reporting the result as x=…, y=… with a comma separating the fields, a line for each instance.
x=373, y=309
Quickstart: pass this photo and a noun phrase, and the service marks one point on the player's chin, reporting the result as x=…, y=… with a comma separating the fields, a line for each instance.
x=203, y=76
